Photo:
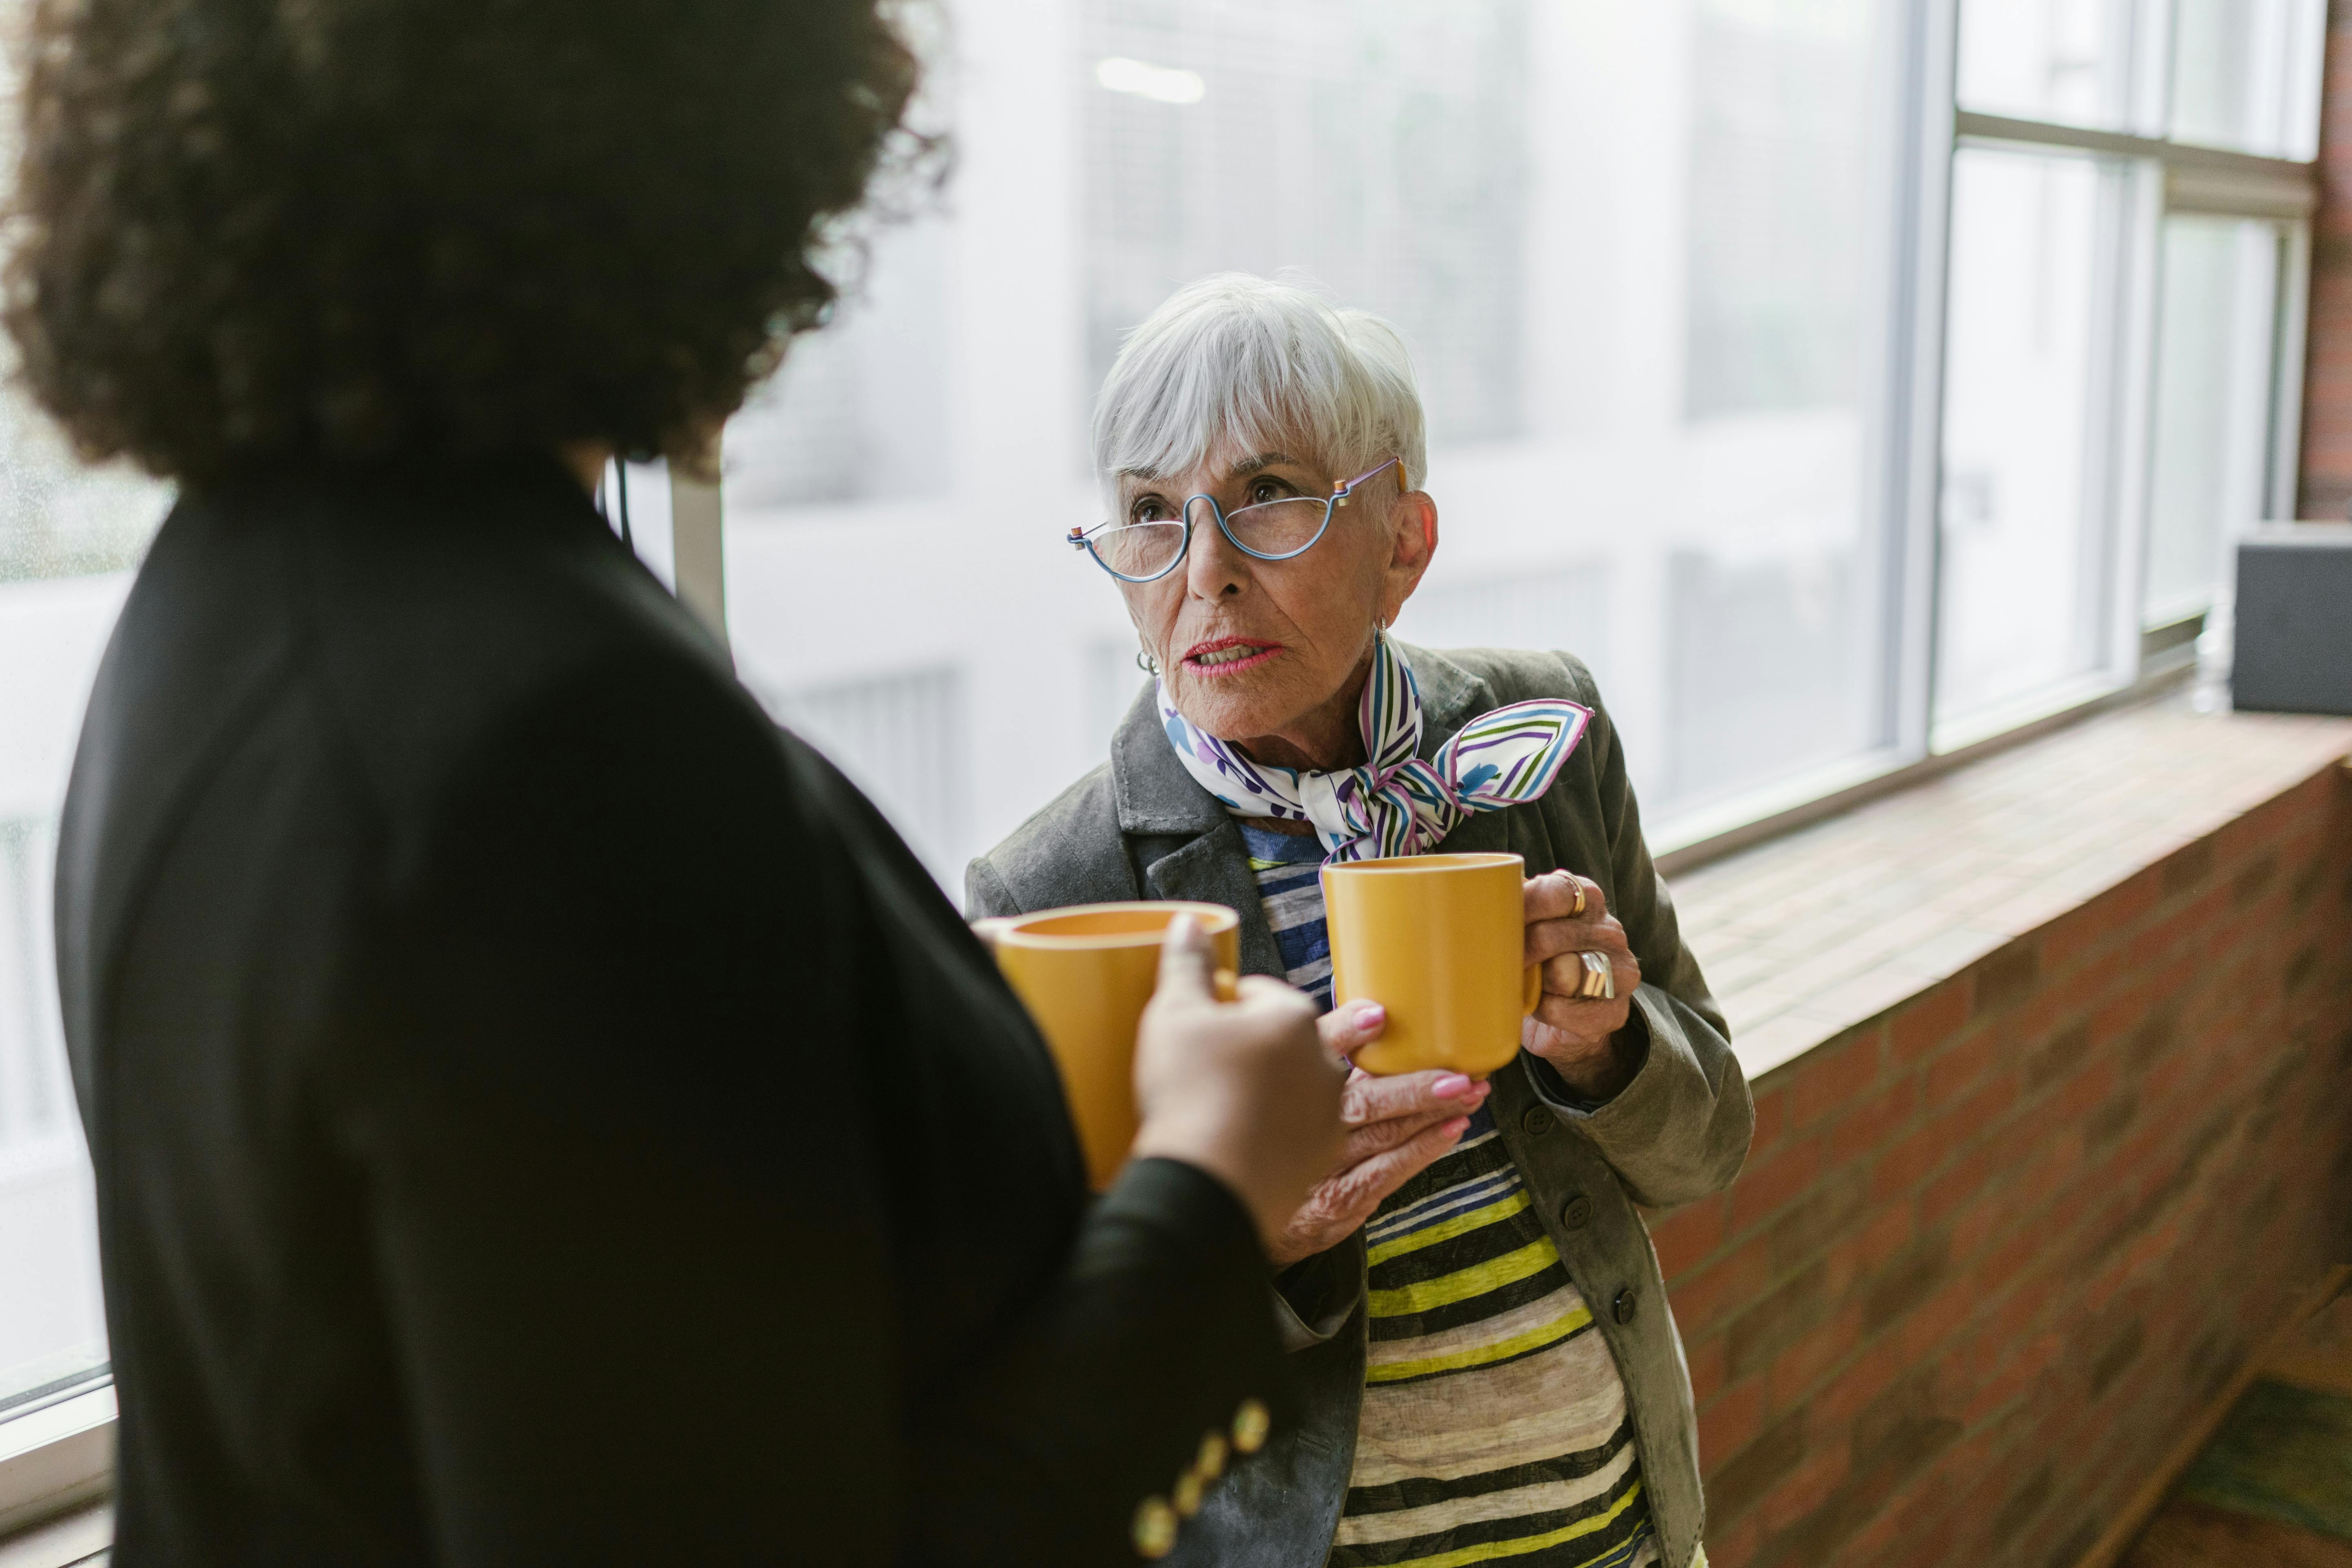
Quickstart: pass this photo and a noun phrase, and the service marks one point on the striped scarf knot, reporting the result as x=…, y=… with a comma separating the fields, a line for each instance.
x=1396, y=804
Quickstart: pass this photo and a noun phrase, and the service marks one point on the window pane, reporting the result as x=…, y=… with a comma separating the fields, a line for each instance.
x=2020, y=495
x=1641, y=254
x=2245, y=73
x=858, y=413
x=1380, y=146
x=2067, y=61
x=68, y=535
x=60, y=528
x=51, y=1322
x=1776, y=209
x=2212, y=406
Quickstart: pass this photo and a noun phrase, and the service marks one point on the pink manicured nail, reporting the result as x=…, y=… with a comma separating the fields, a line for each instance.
x=1368, y=1013
x=1451, y=1085
x=1456, y=1128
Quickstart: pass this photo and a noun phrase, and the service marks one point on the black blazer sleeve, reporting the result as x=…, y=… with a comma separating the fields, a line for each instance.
x=621, y=1111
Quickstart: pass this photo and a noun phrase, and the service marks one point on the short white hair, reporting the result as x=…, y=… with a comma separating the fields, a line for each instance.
x=1258, y=363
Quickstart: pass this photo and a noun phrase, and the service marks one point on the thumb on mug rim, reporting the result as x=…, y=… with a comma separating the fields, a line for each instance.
x=1186, y=960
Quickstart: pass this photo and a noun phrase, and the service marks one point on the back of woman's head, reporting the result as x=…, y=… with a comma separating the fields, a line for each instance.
x=258, y=232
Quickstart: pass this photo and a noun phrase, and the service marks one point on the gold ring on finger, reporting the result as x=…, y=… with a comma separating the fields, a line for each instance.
x=1578, y=882
x=1600, y=978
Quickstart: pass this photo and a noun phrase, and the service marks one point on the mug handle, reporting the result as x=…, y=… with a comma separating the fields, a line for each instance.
x=1531, y=989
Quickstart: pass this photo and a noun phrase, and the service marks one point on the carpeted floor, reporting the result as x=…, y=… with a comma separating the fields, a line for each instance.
x=2273, y=1488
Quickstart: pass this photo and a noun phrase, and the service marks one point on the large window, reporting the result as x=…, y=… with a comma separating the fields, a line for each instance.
x=1644, y=255
x=2122, y=353
x=1844, y=380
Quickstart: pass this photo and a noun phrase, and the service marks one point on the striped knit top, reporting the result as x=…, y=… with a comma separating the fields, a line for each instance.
x=1495, y=1429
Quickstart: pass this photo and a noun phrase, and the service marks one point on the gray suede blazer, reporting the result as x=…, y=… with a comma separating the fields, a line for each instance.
x=1140, y=828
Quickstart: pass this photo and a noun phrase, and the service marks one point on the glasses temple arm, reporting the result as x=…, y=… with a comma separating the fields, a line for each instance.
x=1342, y=490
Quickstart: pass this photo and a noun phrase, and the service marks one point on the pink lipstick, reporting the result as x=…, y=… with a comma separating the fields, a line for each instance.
x=1229, y=656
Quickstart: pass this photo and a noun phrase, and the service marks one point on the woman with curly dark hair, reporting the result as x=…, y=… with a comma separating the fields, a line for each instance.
x=541, y=1113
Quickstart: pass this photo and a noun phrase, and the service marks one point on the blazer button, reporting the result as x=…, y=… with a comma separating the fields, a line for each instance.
x=1538, y=1121
x=1626, y=1302
x=1576, y=1213
x=1155, y=1527
x=1250, y=1424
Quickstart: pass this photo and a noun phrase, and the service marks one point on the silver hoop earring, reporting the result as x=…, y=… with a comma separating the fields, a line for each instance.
x=1146, y=663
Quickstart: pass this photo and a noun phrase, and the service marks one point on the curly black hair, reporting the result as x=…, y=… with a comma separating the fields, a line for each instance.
x=253, y=233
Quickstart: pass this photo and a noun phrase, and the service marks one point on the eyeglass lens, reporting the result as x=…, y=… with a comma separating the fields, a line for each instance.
x=1270, y=528
x=1273, y=527
x=1140, y=548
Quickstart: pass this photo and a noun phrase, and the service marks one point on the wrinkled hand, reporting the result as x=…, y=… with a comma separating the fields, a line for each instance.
x=1396, y=1128
x=1578, y=1036
x=1244, y=1089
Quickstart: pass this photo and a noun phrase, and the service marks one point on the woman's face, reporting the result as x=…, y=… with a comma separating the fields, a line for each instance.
x=1254, y=648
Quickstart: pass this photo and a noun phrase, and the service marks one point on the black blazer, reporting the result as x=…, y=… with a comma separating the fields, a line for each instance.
x=541, y=1113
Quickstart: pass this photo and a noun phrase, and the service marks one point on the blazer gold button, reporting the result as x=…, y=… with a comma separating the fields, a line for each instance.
x=1626, y=1302
x=1212, y=1462
x=1250, y=1424
x=1187, y=1495
x=1538, y=1121
x=1576, y=1213
x=1155, y=1527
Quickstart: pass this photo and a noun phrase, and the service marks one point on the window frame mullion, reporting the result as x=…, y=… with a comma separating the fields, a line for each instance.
x=2283, y=493
x=1914, y=495
x=2132, y=370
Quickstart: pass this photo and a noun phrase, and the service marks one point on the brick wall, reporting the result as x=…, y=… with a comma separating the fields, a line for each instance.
x=1994, y=1250
x=2327, y=371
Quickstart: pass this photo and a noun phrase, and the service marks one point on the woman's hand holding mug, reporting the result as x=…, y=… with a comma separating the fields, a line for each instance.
x=1575, y=1031
x=1245, y=1091
x=1396, y=1128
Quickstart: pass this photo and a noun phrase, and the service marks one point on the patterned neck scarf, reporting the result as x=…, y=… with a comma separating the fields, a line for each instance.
x=1396, y=804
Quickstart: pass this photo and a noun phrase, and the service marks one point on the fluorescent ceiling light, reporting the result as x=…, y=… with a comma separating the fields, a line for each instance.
x=1162, y=84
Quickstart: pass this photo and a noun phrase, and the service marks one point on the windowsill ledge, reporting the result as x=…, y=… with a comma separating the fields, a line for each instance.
x=1828, y=927
x=57, y=1458
x=78, y=1540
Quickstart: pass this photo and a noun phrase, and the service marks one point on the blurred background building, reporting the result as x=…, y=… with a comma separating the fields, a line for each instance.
x=1846, y=381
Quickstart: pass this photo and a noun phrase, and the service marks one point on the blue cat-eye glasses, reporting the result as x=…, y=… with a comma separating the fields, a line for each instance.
x=1147, y=551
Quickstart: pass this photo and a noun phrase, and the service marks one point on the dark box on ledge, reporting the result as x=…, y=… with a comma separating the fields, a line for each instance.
x=2294, y=619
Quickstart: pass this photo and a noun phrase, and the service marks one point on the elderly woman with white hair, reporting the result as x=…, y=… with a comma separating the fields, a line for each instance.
x=1488, y=1367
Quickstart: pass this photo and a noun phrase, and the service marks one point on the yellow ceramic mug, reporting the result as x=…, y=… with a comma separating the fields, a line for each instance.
x=1434, y=939
x=1085, y=974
